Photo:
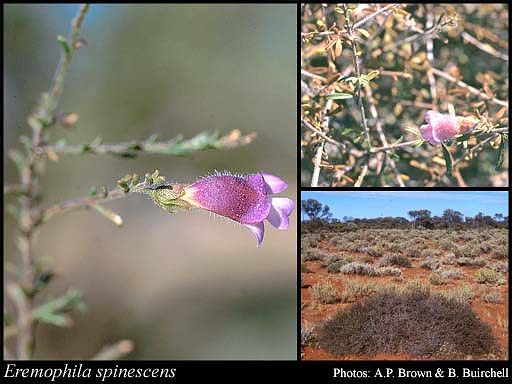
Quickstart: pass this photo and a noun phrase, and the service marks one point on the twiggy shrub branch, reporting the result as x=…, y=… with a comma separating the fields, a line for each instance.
x=395, y=69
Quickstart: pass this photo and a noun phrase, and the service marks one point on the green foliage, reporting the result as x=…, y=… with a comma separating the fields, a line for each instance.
x=56, y=311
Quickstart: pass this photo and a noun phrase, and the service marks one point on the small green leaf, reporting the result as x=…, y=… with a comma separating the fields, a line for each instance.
x=414, y=131
x=400, y=139
x=363, y=32
x=372, y=75
x=418, y=143
x=394, y=156
x=55, y=319
x=447, y=159
x=64, y=44
x=338, y=96
x=501, y=154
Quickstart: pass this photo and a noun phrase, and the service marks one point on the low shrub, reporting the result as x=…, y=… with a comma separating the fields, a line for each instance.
x=500, y=252
x=375, y=251
x=416, y=322
x=306, y=334
x=452, y=274
x=449, y=258
x=429, y=252
x=325, y=293
x=335, y=266
x=356, y=268
x=389, y=271
x=430, y=263
x=493, y=297
x=469, y=250
x=463, y=294
x=489, y=276
x=478, y=261
x=313, y=254
x=412, y=252
x=354, y=289
x=500, y=267
x=436, y=278
x=394, y=259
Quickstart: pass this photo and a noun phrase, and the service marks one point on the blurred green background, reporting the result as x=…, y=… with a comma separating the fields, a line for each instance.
x=187, y=286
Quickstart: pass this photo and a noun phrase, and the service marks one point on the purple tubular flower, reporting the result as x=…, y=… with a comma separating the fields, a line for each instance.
x=439, y=128
x=243, y=199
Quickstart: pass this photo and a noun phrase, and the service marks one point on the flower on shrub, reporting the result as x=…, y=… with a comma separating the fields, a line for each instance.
x=244, y=199
x=442, y=127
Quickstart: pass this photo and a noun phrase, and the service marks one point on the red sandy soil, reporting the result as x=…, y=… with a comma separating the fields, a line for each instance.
x=313, y=312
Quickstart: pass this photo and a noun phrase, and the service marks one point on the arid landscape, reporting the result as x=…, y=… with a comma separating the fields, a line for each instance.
x=403, y=292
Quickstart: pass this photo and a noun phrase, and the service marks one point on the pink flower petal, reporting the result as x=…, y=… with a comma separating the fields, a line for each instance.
x=440, y=128
x=282, y=207
x=230, y=196
x=443, y=127
x=426, y=132
x=258, y=229
x=274, y=183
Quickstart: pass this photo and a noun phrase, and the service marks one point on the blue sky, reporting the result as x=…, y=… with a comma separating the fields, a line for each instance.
x=368, y=204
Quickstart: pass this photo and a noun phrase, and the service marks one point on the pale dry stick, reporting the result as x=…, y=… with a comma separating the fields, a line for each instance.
x=358, y=74
x=114, y=351
x=369, y=17
x=359, y=181
x=313, y=76
x=320, y=149
x=322, y=135
x=317, y=161
x=364, y=124
x=484, y=47
x=393, y=146
x=468, y=87
x=315, y=33
x=482, y=31
x=430, y=58
x=419, y=34
x=382, y=136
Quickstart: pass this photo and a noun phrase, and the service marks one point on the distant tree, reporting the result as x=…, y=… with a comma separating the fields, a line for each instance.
x=451, y=217
x=315, y=210
x=420, y=217
x=498, y=216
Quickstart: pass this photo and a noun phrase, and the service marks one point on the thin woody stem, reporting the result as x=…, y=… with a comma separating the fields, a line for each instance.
x=39, y=121
x=471, y=89
x=88, y=201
